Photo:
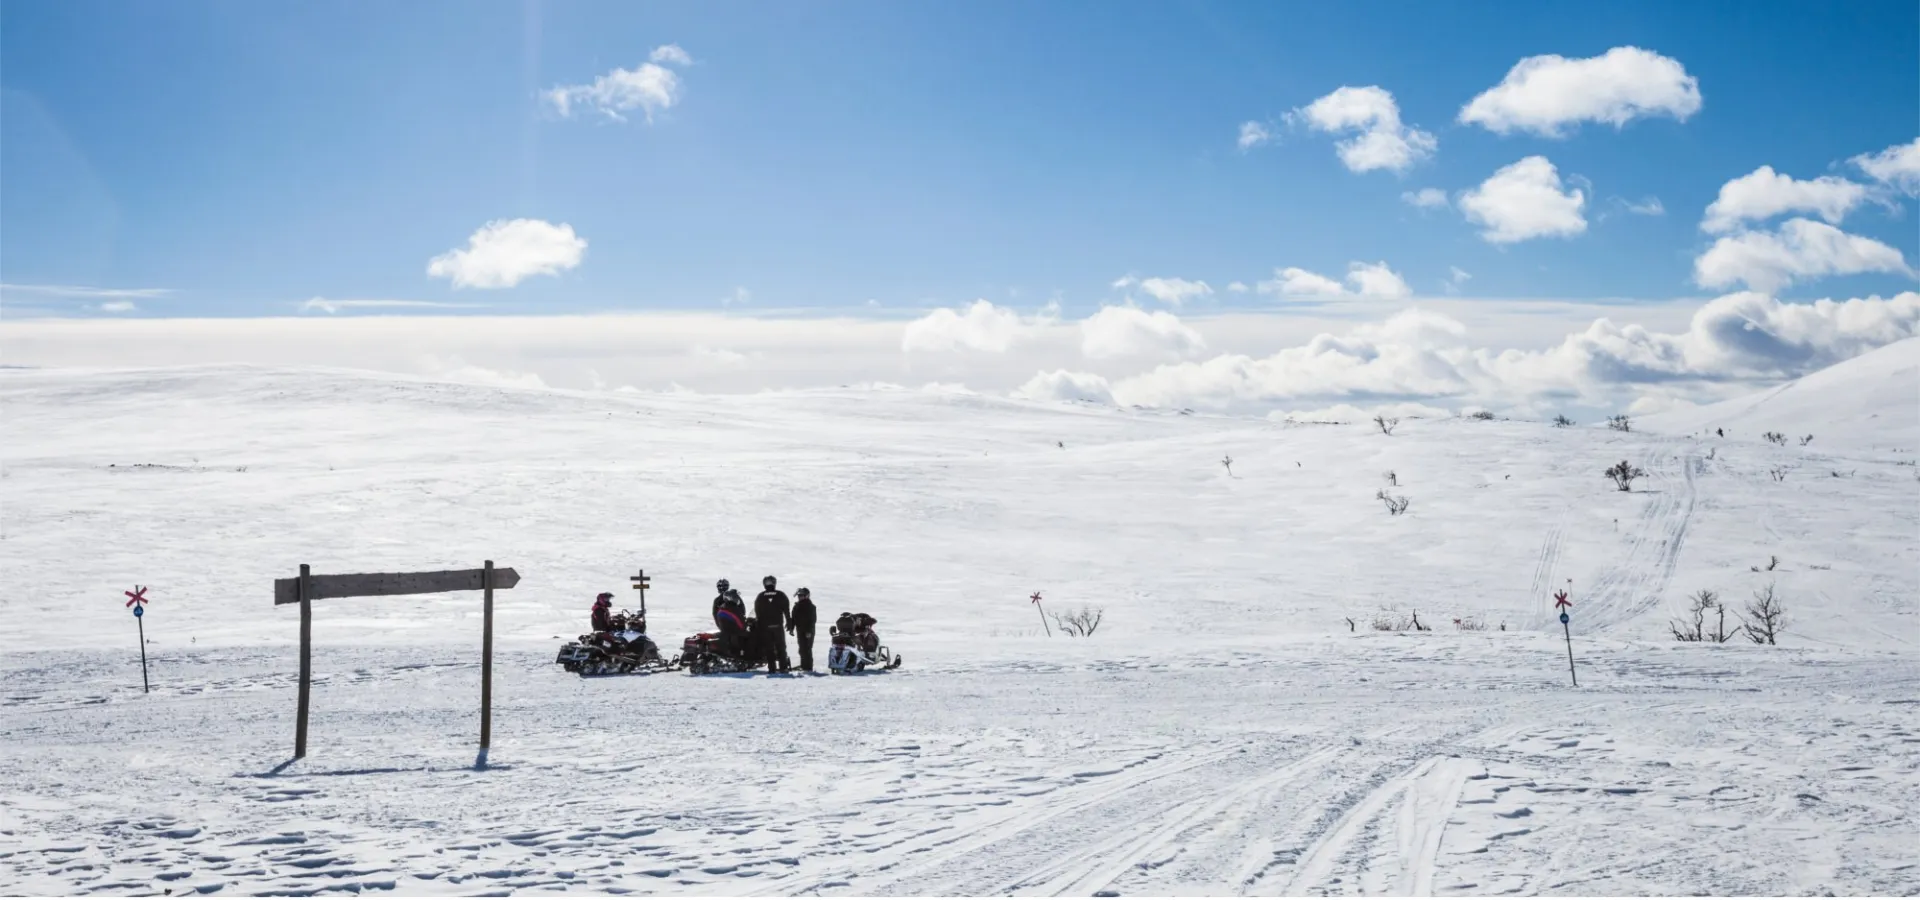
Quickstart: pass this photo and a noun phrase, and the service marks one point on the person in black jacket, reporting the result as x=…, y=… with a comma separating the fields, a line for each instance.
x=730, y=616
x=770, y=613
x=800, y=625
x=603, y=613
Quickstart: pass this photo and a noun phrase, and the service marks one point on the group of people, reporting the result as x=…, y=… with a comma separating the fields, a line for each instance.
x=774, y=617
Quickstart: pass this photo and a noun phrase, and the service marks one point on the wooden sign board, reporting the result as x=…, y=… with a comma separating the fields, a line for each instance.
x=387, y=584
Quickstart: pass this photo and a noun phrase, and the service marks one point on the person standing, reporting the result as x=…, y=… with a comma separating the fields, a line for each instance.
x=730, y=616
x=800, y=625
x=771, y=612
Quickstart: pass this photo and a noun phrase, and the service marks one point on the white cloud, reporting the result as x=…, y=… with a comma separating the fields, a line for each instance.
x=1650, y=206
x=117, y=306
x=718, y=356
x=983, y=327
x=84, y=292
x=1061, y=385
x=1382, y=143
x=1897, y=166
x=505, y=252
x=1297, y=282
x=1763, y=193
x=1456, y=277
x=1420, y=356
x=1425, y=198
x=740, y=297
x=1525, y=201
x=322, y=304
x=1125, y=281
x=453, y=368
x=670, y=54
x=1799, y=250
x=1174, y=291
x=1374, y=280
x=649, y=87
x=1253, y=134
x=1545, y=95
x=1238, y=287
x=1119, y=331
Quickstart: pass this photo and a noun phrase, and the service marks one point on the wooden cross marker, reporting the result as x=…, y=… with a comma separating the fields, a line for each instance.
x=641, y=583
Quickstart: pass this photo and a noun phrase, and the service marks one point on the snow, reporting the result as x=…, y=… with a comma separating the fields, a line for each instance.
x=1868, y=403
x=1223, y=732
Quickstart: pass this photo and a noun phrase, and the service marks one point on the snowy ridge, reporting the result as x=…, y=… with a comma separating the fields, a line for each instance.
x=1870, y=403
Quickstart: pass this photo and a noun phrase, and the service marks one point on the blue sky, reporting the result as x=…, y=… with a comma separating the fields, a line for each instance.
x=250, y=156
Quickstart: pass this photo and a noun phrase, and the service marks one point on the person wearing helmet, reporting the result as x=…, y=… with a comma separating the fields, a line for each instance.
x=730, y=616
x=771, y=613
x=800, y=625
x=603, y=612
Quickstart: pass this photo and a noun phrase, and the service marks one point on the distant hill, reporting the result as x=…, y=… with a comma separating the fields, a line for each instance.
x=1868, y=403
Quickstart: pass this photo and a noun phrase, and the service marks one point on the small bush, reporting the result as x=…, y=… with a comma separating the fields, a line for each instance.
x=1481, y=415
x=1081, y=622
x=1386, y=425
x=1623, y=473
x=1694, y=628
x=1779, y=473
x=1562, y=422
x=1774, y=437
x=1395, y=505
x=1620, y=423
x=1765, y=617
x=1806, y=440
x=1470, y=623
x=1393, y=479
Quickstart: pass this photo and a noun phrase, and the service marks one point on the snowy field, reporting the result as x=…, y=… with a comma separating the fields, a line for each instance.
x=1224, y=732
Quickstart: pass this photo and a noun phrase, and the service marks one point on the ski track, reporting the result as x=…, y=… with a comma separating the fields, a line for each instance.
x=1636, y=583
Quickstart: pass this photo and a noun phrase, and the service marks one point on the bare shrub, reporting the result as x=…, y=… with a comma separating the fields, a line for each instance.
x=1620, y=423
x=1779, y=473
x=1806, y=440
x=1623, y=473
x=1228, y=462
x=1481, y=415
x=1416, y=622
x=1081, y=622
x=1395, y=505
x=1774, y=437
x=1562, y=422
x=1351, y=625
x=1702, y=604
x=1386, y=425
x=1470, y=623
x=1388, y=622
x=1765, y=617
x=1393, y=479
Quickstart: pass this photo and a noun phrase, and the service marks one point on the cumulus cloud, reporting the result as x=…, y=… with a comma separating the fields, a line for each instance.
x=1425, y=198
x=1799, y=250
x=1253, y=134
x=504, y=253
x=1456, y=277
x=1118, y=331
x=1174, y=291
x=981, y=327
x=1061, y=385
x=649, y=87
x=1524, y=201
x=1238, y=287
x=1364, y=279
x=1897, y=167
x=1763, y=193
x=1380, y=141
x=117, y=306
x=1423, y=357
x=1546, y=95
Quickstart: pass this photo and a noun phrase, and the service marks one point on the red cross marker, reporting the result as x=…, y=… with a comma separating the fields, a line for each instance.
x=1560, y=600
x=1036, y=596
x=137, y=595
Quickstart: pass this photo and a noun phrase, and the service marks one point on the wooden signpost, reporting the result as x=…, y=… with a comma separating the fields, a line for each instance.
x=137, y=599
x=1560, y=602
x=641, y=583
x=309, y=587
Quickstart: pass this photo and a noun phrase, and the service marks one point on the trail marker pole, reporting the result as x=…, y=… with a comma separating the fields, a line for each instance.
x=640, y=583
x=486, y=661
x=305, y=599
x=1561, y=603
x=1043, y=613
x=137, y=598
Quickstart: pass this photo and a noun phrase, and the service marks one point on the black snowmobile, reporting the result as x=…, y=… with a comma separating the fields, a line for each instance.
x=710, y=652
x=855, y=646
x=623, y=649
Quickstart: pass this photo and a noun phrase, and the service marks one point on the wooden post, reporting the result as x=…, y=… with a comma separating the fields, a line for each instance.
x=306, y=662
x=145, y=687
x=486, y=658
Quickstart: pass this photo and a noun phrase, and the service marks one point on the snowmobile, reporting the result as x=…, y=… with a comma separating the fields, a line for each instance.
x=707, y=653
x=623, y=649
x=855, y=646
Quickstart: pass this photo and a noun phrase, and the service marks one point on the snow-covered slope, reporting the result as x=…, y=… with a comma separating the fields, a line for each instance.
x=1223, y=732
x=1870, y=403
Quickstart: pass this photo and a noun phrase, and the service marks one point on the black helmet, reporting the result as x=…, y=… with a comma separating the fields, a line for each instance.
x=604, y=595
x=803, y=592
x=767, y=582
x=721, y=585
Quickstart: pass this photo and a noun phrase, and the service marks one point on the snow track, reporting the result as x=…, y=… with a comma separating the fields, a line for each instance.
x=1636, y=583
